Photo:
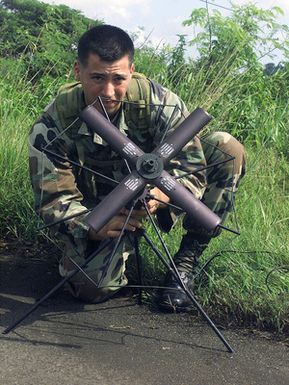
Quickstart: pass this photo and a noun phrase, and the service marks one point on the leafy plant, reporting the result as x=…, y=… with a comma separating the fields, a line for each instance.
x=46, y=44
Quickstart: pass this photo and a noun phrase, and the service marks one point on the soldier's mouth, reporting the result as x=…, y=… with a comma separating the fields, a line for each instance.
x=108, y=101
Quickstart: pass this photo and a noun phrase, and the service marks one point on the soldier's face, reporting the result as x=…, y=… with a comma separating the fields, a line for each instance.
x=109, y=80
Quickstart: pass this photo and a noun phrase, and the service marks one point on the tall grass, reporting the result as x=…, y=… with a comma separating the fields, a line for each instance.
x=20, y=103
x=235, y=286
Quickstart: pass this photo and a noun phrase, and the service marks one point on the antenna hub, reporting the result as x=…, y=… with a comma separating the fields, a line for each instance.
x=149, y=166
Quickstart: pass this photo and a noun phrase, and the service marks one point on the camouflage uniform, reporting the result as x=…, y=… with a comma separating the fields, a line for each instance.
x=62, y=189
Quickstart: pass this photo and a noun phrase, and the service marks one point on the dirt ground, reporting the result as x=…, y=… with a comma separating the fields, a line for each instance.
x=117, y=342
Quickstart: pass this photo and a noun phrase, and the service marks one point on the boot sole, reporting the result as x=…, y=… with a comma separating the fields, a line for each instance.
x=169, y=308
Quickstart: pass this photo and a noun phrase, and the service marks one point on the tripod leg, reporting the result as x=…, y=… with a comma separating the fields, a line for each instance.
x=58, y=286
x=138, y=266
x=189, y=293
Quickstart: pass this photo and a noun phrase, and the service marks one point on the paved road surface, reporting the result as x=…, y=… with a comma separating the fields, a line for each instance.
x=118, y=343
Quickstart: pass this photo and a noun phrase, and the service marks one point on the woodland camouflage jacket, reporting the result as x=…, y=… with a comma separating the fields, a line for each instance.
x=62, y=189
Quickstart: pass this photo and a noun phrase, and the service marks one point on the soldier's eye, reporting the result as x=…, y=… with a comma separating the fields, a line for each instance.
x=119, y=79
x=97, y=78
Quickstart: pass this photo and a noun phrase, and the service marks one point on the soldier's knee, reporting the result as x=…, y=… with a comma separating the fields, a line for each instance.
x=85, y=287
x=86, y=291
x=231, y=146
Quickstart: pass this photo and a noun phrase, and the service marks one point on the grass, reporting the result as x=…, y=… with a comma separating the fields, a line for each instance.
x=234, y=288
x=20, y=104
x=237, y=282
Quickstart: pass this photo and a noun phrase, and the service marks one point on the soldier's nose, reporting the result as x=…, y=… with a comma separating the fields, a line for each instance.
x=108, y=91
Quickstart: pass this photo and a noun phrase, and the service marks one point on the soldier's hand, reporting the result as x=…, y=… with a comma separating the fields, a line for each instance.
x=113, y=228
x=137, y=214
x=154, y=204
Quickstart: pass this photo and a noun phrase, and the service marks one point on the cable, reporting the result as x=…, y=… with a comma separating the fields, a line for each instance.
x=279, y=268
x=217, y=5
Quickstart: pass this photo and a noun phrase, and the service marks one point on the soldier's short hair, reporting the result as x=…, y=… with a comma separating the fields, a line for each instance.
x=110, y=43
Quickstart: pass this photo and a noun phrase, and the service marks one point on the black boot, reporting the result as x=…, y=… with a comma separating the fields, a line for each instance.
x=186, y=261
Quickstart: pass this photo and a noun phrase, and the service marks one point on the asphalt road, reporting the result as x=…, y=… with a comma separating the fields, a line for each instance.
x=118, y=343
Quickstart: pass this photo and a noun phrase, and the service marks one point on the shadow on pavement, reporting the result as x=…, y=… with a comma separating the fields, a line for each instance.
x=24, y=280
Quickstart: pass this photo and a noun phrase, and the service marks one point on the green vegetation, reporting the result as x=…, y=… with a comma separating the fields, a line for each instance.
x=228, y=80
x=44, y=36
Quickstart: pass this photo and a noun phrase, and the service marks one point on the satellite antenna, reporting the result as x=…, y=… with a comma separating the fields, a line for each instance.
x=145, y=168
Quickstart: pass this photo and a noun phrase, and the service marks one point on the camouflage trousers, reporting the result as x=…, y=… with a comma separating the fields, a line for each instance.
x=109, y=273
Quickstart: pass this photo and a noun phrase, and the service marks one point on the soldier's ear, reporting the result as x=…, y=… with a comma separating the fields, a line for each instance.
x=132, y=68
x=76, y=68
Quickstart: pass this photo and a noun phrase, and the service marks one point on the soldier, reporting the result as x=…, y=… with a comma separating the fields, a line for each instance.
x=105, y=69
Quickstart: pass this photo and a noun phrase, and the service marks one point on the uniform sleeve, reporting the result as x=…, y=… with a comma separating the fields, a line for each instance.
x=53, y=181
x=191, y=156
